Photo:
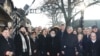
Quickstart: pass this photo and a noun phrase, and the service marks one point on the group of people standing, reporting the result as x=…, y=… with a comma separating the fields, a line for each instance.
x=57, y=41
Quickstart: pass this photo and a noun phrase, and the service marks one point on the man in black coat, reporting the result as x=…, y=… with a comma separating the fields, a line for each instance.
x=70, y=43
x=21, y=43
x=85, y=42
x=53, y=44
x=6, y=46
x=96, y=30
x=62, y=37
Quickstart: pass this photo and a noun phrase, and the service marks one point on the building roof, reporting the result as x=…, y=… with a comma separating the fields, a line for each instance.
x=4, y=17
x=3, y=12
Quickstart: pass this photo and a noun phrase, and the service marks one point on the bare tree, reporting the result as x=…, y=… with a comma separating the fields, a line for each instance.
x=55, y=7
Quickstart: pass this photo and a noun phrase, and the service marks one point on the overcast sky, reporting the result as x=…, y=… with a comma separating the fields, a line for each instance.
x=92, y=12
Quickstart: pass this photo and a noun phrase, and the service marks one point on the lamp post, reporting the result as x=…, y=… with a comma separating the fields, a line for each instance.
x=82, y=19
x=82, y=14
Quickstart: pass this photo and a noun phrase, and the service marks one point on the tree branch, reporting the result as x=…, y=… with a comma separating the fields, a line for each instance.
x=76, y=4
x=93, y=3
x=75, y=14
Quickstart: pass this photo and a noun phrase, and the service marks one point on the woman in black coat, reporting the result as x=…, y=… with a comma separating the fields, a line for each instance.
x=43, y=43
x=80, y=45
x=6, y=43
x=34, y=44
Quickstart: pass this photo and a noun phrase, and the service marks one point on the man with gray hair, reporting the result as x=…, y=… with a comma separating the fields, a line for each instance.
x=96, y=30
x=70, y=42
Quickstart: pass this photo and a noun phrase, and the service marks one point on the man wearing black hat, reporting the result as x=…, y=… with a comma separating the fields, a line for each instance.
x=21, y=42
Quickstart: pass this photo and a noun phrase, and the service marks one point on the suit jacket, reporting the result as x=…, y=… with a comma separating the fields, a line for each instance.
x=86, y=45
x=71, y=42
x=80, y=48
x=98, y=35
x=42, y=43
x=34, y=46
x=94, y=48
x=5, y=45
x=53, y=45
x=62, y=36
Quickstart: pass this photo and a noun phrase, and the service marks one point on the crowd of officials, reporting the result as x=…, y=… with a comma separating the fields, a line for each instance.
x=56, y=41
